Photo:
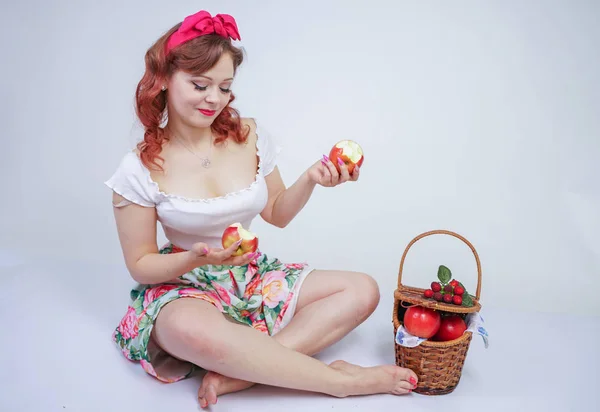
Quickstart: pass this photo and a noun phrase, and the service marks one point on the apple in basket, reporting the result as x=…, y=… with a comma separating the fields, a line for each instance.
x=235, y=232
x=349, y=152
x=421, y=321
x=452, y=327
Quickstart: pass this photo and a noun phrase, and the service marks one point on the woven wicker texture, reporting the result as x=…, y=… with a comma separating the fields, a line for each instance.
x=437, y=364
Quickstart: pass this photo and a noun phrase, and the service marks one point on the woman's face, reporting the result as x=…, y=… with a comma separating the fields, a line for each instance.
x=198, y=99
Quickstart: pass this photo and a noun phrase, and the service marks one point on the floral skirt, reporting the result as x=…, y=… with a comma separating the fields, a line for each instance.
x=262, y=295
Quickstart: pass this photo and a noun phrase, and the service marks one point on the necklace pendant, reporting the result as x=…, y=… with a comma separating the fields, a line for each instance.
x=205, y=163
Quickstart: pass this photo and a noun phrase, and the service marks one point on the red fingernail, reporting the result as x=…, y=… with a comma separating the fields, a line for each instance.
x=340, y=162
x=324, y=163
x=205, y=250
x=325, y=158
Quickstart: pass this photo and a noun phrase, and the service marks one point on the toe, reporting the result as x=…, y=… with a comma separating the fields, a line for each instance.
x=410, y=377
x=211, y=395
x=403, y=387
x=202, y=396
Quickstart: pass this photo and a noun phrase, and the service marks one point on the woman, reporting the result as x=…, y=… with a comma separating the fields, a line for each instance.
x=200, y=167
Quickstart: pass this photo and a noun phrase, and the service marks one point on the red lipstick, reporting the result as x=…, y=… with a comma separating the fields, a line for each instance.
x=207, y=112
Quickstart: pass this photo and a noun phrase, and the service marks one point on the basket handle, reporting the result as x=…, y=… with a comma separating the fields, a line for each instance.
x=443, y=232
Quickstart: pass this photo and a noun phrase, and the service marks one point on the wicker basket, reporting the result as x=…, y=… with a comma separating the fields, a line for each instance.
x=437, y=364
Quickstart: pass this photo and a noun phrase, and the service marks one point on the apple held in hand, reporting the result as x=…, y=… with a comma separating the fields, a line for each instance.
x=452, y=327
x=236, y=232
x=349, y=152
x=421, y=321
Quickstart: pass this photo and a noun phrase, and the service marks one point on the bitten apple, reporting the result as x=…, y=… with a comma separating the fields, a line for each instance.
x=349, y=152
x=235, y=232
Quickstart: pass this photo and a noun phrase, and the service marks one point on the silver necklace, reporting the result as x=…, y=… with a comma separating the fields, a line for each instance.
x=204, y=161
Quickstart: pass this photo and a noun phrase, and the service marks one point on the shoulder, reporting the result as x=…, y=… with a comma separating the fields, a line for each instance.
x=257, y=132
x=249, y=125
x=267, y=146
x=131, y=181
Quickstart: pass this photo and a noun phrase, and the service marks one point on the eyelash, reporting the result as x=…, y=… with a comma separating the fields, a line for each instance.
x=204, y=88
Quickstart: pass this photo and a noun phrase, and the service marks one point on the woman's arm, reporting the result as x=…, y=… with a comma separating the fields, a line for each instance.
x=136, y=226
x=284, y=204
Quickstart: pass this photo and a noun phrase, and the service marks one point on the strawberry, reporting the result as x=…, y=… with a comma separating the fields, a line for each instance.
x=459, y=290
x=454, y=283
x=428, y=293
x=436, y=286
x=457, y=300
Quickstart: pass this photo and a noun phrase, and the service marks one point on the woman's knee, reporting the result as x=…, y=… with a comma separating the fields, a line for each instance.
x=365, y=293
x=188, y=330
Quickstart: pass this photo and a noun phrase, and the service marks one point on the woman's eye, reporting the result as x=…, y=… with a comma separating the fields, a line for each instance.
x=198, y=87
x=204, y=88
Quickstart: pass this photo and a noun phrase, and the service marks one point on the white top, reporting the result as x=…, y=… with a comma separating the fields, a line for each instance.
x=186, y=221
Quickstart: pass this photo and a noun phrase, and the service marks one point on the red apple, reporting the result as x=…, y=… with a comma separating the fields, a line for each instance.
x=452, y=327
x=422, y=322
x=349, y=152
x=236, y=232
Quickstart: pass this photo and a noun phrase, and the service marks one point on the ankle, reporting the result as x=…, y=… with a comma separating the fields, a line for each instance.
x=344, y=384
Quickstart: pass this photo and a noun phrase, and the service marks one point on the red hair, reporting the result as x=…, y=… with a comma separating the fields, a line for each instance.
x=195, y=56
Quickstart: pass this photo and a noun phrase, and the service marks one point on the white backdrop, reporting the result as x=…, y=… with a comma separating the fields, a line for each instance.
x=477, y=117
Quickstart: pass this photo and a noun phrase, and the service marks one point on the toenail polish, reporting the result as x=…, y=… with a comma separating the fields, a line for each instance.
x=413, y=381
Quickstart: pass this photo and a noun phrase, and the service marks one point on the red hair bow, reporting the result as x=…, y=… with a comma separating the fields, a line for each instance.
x=203, y=23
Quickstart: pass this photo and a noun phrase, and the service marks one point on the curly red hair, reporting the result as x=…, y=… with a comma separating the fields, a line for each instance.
x=195, y=56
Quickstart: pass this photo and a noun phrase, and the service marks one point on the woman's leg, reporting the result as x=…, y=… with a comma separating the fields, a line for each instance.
x=330, y=305
x=195, y=331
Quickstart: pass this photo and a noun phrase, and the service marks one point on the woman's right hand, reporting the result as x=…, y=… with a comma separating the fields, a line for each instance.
x=207, y=256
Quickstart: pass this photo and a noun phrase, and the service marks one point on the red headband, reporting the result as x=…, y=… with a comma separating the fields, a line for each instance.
x=203, y=23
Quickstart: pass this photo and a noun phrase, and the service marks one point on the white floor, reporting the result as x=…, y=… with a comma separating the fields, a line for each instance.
x=57, y=355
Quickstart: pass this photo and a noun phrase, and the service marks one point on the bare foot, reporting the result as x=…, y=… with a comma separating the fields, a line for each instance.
x=214, y=384
x=377, y=379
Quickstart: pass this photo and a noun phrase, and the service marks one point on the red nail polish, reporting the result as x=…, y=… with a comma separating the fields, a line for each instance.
x=340, y=162
x=205, y=250
x=413, y=381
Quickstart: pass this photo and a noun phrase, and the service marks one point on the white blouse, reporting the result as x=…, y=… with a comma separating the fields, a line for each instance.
x=186, y=221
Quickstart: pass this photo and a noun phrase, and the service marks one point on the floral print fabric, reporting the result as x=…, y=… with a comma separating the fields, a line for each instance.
x=257, y=294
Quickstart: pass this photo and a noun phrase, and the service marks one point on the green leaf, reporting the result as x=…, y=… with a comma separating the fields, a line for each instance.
x=144, y=322
x=138, y=305
x=467, y=301
x=239, y=273
x=444, y=275
x=134, y=294
x=291, y=280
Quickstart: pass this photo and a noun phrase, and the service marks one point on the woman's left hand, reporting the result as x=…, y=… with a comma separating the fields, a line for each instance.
x=326, y=174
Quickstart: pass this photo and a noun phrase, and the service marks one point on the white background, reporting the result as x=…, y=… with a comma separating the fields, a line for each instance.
x=477, y=117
